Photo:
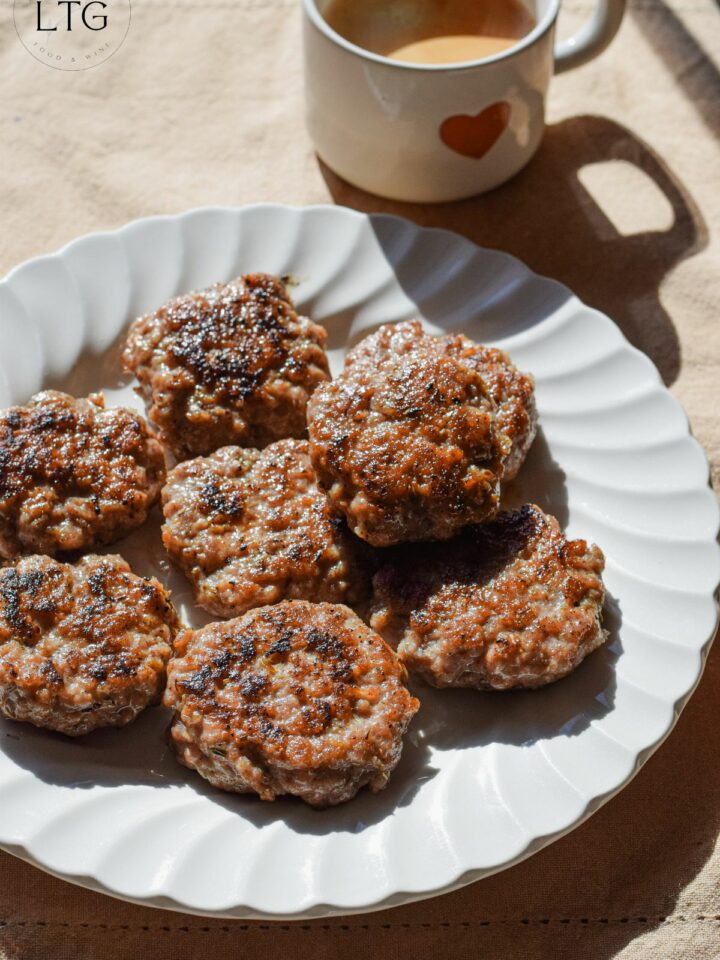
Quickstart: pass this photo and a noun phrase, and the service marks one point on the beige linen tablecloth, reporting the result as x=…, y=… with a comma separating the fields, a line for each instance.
x=203, y=105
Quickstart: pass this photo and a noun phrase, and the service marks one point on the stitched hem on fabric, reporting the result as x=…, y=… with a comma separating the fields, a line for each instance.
x=227, y=928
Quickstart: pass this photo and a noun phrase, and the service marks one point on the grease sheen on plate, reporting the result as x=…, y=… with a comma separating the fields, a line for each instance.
x=614, y=461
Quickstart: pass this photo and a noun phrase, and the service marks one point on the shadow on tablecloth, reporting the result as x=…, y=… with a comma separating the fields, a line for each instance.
x=693, y=71
x=548, y=218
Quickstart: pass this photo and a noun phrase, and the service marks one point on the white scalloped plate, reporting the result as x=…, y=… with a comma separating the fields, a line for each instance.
x=485, y=779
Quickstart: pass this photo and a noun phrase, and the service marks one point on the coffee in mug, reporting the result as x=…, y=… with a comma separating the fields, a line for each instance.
x=431, y=31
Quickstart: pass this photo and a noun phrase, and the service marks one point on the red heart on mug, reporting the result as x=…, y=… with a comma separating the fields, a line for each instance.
x=474, y=136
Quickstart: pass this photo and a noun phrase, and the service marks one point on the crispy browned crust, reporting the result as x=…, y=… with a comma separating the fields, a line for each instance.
x=73, y=475
x=404, y=440
x=230, y=365
x=512, y=391
x=251, y=528
x=295, y=698
x=81, y=646
x=511, y=603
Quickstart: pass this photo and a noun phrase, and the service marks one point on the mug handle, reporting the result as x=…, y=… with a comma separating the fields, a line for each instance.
x=591, y=39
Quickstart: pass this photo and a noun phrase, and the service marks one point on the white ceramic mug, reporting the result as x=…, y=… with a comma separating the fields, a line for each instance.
x=428, y=132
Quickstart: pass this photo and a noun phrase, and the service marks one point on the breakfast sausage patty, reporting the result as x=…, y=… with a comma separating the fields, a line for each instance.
x=73, y=475
x=297, y=698
x=233, y=364
x=251, y=527
x=512, y=391
x=404, y=440
x=508, y=604
x=81, y=646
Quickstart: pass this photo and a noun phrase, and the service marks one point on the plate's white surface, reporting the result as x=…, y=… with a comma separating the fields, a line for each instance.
x=485, y=779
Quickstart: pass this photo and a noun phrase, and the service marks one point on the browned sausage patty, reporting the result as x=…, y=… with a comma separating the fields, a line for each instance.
x=508, y=604
x=73, y=475
x=251, y=527
x=81, y=646
x=512, y=391
x=404, y=440
x=296, y=698
x=233, y=364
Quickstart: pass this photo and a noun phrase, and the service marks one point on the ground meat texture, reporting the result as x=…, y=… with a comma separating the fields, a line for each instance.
x=73, y=475
x=81, y=646
x=404, y=440
x=296, y=698
x=233, y=364
x=251, y=528
x=512, y=391
x=508, y=604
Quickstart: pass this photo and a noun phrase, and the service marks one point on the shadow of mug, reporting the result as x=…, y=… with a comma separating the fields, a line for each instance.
x=548, y=218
